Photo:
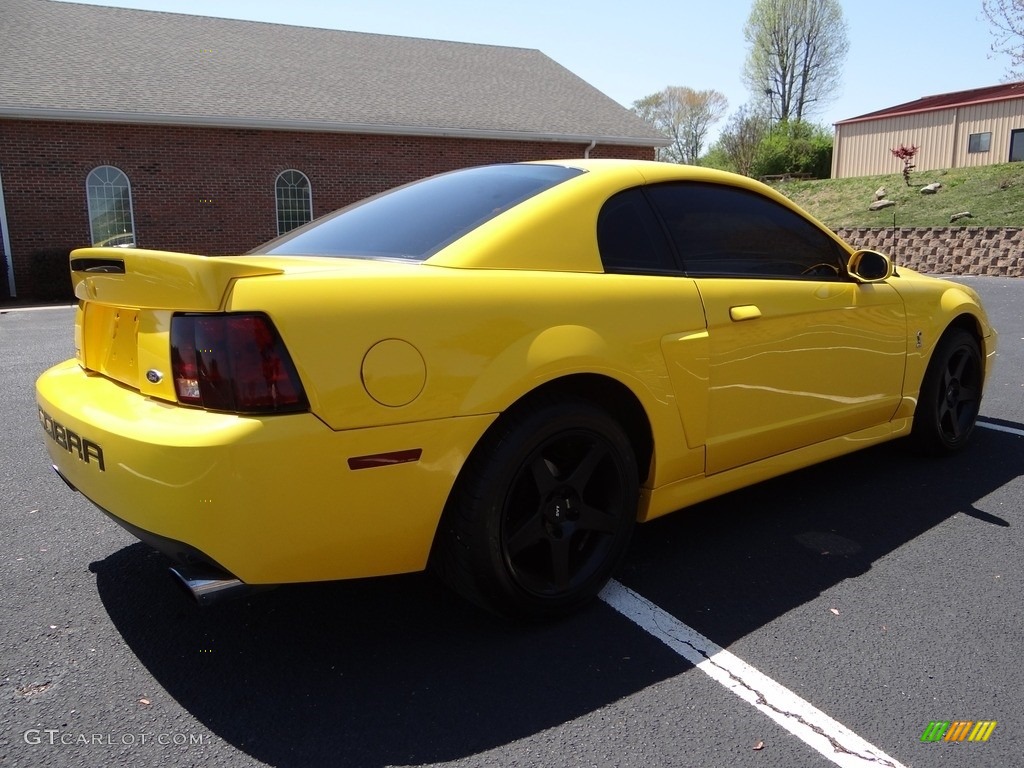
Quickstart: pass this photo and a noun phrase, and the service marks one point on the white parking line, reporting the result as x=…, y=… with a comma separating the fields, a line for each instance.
x=5, y=310
x=1000, y=428
x=812, y=726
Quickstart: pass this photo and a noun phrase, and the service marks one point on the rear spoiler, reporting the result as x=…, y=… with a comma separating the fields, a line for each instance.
x=134, y=277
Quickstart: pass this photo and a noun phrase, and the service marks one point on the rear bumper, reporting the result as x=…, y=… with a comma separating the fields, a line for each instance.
x=179, y=552
x=196, y=572
x=268, y=499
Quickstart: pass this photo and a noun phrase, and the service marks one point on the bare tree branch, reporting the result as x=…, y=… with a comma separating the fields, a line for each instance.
x=684, y=115
x=797, y=49
x=741, y=139
x=1007, y=20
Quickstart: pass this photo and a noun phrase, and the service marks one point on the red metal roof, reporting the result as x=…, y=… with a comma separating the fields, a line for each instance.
x=946, y=101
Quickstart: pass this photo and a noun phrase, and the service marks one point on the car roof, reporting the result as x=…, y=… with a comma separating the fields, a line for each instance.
x=556, y=230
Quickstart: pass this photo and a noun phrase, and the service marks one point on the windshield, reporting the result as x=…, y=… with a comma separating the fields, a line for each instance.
x=415, y=221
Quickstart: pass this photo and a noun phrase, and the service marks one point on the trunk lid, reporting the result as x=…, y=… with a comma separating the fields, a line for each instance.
x=126, y=297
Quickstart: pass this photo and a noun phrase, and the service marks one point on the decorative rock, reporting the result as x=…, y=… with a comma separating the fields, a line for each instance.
x=931, y=189
x=880, y=204
x=961, y=215
x=880, y=193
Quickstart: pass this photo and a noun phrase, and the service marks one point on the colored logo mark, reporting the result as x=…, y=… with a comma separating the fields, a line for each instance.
x=958, y=730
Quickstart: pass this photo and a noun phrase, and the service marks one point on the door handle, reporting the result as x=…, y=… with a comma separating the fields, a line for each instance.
x=744, y=312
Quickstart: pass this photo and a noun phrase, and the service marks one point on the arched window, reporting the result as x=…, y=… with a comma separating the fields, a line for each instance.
x=110, y=207
x=294, y=201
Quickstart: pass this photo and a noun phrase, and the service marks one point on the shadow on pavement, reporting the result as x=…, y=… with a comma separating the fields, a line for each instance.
x=397, y=671
x=742, y=560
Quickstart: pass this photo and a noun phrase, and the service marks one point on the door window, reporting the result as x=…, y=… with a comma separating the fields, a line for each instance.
x=1017, y=146
x=724, y=231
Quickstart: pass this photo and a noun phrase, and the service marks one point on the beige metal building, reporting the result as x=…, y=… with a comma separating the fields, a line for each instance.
x=952, y=130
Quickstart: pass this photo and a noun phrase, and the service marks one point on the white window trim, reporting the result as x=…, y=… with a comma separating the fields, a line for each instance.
x=131, y=201
x=277, y=199
x=11, y=287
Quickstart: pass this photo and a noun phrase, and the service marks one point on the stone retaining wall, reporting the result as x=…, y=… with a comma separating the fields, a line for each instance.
x=947, y=250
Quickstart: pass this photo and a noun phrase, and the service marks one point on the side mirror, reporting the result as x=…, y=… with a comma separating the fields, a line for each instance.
x=869, y=266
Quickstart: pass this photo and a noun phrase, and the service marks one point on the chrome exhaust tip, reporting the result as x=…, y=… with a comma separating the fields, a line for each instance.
x=62, y=477
x=208, y=586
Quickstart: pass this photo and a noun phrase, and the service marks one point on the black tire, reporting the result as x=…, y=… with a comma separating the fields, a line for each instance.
x=950, y=397
x=542, y=513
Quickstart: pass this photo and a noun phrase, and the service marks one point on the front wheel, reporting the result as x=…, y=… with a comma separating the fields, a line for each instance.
x=950, y=395
x=542, y=513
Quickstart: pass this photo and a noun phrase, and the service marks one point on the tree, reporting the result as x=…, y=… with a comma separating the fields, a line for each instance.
x=750, y=145
x=797, y=49
x=795, y=147
x=684, y=115
x=741, y=139
x=906, y=155
x=1007, y=20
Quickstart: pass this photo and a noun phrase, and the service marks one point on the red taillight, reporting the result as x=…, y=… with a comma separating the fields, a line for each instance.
x=235, y=363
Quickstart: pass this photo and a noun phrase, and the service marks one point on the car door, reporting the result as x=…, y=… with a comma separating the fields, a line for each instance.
x=799, y=352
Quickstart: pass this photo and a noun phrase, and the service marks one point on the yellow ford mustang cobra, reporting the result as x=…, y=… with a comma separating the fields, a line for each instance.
x=494, y=372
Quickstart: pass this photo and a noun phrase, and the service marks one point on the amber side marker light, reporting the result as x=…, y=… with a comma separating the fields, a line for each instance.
x=233, y=362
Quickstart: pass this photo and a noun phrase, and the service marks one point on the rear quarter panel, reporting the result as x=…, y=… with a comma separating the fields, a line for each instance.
x=486, y=339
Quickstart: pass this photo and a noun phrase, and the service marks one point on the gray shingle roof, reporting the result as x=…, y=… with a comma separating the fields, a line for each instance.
x=74, y=61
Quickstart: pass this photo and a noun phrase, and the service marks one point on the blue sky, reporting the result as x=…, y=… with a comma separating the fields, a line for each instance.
x=898, y=51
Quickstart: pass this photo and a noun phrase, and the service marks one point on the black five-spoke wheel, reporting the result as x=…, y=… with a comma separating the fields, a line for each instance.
x=950, y=394
x=563, y=513
x=543, y=514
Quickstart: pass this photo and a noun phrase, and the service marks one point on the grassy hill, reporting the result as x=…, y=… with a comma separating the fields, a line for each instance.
x=994, y=195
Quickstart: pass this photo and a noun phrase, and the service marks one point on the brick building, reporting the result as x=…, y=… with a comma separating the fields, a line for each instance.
x=205, y=135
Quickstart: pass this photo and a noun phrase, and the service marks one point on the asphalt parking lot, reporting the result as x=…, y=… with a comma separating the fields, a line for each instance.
x=881, y=589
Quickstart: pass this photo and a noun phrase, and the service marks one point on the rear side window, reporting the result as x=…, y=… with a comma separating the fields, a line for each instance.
x=720, y=230
x=415, y=221
x=630, y=238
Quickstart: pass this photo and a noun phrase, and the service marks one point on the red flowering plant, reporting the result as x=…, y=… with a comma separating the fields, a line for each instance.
x=906, y=154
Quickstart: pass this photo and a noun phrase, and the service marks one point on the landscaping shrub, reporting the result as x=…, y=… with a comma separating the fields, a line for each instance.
x=51, y=275
x=795, y=147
